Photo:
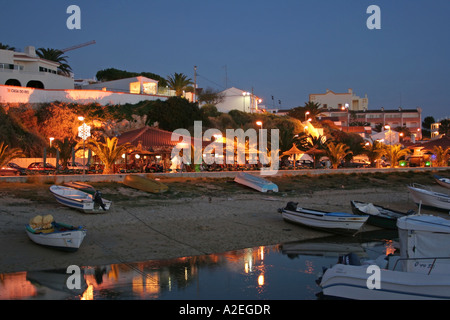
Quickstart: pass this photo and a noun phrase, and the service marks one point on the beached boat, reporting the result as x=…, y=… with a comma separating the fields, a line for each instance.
x=80, y=200
x=254, y=182
x=80, y=186
x=427, y=197
x=378, y=216
x=56, y=235
x=144, y=184
x=445, y=182
x=421, y=271
x=337, y=222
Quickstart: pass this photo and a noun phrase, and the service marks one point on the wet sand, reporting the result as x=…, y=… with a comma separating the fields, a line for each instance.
x=142, y=227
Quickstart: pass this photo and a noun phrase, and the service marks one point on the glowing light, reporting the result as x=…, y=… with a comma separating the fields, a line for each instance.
x=261, y=280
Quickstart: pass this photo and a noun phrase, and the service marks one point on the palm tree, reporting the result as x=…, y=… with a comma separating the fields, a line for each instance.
x=395, y=152
x=56, y=56
x=108, y=152
x=312, y=145
x=6, y=47
x=374, y=151
x=441, y=155
x=337, y=152
x=7, y=155
x=179, y=83
x=65, y=148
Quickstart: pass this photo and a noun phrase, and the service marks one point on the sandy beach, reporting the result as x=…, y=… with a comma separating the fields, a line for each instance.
x=195, y=217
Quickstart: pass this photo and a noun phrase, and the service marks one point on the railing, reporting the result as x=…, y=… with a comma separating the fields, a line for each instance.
x=425, y=258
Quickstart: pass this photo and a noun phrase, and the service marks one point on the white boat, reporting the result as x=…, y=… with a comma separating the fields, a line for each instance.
x=445, y=182
x=337, y=222
x=59, y=236
x=427, y=197
x=77, y=199
x=421, y=271
x=257, y=183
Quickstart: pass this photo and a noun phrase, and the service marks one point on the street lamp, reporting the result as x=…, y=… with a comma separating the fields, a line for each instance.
x=84, y=132
x=388, y=127
x=306, y=114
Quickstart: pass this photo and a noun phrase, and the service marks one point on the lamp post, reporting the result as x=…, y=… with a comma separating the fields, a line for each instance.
x=306, y=115
x=388, y=127
x=84, y=132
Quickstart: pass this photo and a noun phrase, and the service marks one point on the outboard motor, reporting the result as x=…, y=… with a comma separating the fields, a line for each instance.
x=98, y=199
x=291, y=206
x=349, y=259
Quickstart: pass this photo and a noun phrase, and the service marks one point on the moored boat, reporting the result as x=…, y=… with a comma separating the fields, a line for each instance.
x=445, y=182
x=254, y=182
x=379, y=216
x=80, y=200
x=427, y=197
x=336, y=222
x=53, y=234
x=145, y=184
x=420, y=271
x=80, y=186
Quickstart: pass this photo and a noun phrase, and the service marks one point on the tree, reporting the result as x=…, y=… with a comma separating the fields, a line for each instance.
x=65, y=148
x=426, y=126
x=8, y=155
x=108, y=152
x=56, y=56
x=444, y=128
x=309, y=110
x=374, y=151
x=178, y=82
x=441, y=155
x=394, y=153
x=6, y=47
x=210, y=96
x=336, y=152
x=313, y=145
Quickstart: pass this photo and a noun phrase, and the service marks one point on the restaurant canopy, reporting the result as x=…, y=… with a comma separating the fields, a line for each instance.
x=152, y=139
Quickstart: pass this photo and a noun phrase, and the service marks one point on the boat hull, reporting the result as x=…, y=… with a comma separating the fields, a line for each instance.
x=351, y=282
x=64, y=237
x=335, y=222
x=77, y=199
x=144, y=184
x=445, y=182
x=430, y=198
x=257, y=183
x=387, y=219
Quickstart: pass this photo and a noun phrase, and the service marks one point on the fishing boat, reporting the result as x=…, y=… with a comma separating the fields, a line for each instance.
x=254, y=182
x=427, y=197
x=80, y=200
x=56, y=235
x=378, y=216
x=445, y=182
x=80, y=186
x=337, y=222
x=144, y=183
x=420, y=271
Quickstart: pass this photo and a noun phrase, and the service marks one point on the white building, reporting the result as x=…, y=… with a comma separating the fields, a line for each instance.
x=332, y=100
x=26, y=69
x=139, y=85
x=237, y=99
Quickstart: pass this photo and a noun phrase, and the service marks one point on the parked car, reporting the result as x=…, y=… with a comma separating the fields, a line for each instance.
x=363, y=163
x=76, y=166
x=22, y=170
x=7, y=171
x=304, y=163
x=37, y=167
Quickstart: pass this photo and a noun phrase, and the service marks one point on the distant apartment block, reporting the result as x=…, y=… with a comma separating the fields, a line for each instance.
x=332, y=100
x=26, y=69
x=237, y=99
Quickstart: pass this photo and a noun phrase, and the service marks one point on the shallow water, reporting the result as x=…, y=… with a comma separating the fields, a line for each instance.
x=279, y=272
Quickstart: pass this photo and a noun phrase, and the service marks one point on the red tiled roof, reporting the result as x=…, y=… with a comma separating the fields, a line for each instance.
x=444, y=142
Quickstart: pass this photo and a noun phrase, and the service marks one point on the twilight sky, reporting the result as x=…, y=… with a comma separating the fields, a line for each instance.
x=286, y=49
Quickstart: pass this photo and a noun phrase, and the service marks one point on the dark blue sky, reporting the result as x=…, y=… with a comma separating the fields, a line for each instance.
x=286, y=49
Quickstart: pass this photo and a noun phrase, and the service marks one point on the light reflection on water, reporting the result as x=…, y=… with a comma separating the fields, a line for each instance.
x=280, y=272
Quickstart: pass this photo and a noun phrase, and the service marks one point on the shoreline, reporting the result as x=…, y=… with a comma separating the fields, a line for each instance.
x=195, y=217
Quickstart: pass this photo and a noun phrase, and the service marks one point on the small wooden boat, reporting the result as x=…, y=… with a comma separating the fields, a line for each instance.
x=56, y=235
x=80, y=200
x=254, y=182
x=80, y=186
x=425, y=196
x=378, y=216
x=145, y=184
x=445, y=182
x=337, y=222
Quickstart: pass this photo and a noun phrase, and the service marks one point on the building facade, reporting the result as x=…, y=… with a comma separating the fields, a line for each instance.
x=237, y=99
x=26, y=69
x=332, y=100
